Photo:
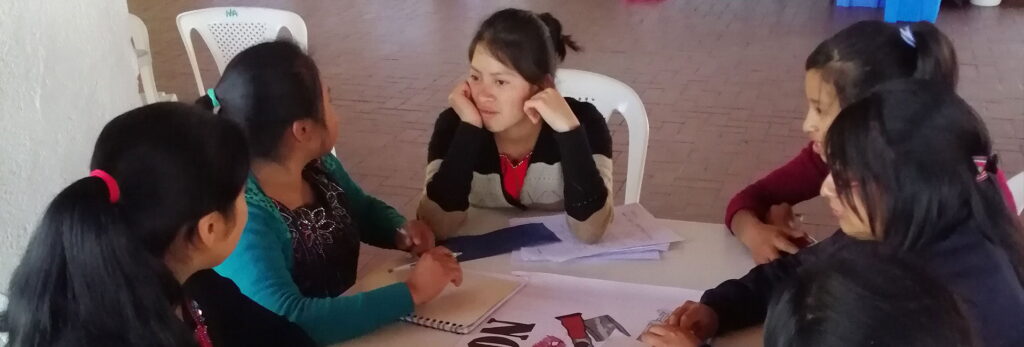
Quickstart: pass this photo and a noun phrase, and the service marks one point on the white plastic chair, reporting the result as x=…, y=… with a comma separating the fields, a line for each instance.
x=144, y=56
x=609, y=94
x=230, y=30
x=1016, y=184
x=3, y=308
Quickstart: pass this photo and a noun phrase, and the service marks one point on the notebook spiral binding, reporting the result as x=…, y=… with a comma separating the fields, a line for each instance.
x=437, y=324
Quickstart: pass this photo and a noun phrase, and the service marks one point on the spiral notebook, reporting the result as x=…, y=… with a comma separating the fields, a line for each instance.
x=460, y=309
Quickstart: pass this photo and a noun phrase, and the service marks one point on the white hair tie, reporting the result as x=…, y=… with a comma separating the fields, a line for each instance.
x=908, y=36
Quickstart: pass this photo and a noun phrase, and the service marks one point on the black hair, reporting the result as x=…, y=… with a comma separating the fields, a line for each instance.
x=266, y=88
x=866, y=296
x=93, y=273
x=531, y=44
x=910, y=146
x=869, y=53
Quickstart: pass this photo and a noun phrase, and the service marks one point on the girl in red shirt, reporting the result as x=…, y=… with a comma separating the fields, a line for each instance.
x=841, y=70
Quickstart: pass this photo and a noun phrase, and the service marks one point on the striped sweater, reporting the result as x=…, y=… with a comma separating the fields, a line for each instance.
x=570, y=171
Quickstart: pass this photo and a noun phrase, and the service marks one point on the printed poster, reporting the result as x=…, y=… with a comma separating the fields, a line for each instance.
x=564, y=311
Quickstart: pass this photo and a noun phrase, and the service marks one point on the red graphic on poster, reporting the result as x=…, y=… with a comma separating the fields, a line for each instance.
x=573, y=324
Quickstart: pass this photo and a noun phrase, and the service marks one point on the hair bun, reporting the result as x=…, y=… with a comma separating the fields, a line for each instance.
x=562, y=43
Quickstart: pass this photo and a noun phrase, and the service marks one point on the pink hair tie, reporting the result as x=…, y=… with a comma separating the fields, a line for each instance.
x=112, y=188
x=981, y=162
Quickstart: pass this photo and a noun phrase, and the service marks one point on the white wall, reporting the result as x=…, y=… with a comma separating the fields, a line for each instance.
x=65, y=70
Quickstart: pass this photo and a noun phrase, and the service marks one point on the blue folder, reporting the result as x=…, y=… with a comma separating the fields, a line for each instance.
x=500, y=241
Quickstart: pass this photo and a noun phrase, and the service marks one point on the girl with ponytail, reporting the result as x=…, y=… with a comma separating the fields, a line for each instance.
x=122, y=257
x=510, y=140
x=307, y=216
x=911, y=170
x=841, y=70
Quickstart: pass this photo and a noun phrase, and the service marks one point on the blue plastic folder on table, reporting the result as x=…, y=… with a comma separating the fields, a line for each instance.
x=500, y=241
x=900, y=10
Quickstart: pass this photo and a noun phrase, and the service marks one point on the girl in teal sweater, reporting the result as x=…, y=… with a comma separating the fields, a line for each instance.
x=306, y=216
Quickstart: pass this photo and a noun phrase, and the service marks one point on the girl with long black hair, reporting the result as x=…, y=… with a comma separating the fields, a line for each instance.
x=841, y=70
x=122, y=257
x=911, y=168
x=307, y=216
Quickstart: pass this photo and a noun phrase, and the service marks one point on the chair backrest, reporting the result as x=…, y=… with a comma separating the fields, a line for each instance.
x=1016, y=184
x=142, y=57
x=3, y=308
x=608, y=95
x=140, y=35
x=230, y=30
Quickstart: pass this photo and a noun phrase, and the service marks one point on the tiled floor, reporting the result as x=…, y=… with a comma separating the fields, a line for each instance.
x=721, y=79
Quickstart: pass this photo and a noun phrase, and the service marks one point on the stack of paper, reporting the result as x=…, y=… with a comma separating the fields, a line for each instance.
x=634, y=234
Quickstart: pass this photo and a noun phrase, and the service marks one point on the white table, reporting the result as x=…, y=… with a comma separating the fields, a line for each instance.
x=709, y=256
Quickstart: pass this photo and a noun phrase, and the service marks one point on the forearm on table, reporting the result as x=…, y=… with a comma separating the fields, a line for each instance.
x=444, y=223
x=742, y=221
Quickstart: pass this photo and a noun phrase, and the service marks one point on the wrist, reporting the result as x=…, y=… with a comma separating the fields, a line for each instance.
x=414, y=293
x=743, y=224
x=475, y=123
x=567, y=126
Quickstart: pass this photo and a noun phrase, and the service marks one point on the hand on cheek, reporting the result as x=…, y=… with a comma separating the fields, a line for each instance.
x=461, y=101
x=549, y=105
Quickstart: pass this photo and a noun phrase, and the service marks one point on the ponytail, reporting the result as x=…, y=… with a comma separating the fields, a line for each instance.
x=561, y=42
x=266, y=88
x=94, y=272
x=936, y=58
x=85, y=276
x=205, y=103
x=869, y=53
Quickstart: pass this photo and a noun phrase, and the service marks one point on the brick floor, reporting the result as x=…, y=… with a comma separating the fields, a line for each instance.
x=721, y=79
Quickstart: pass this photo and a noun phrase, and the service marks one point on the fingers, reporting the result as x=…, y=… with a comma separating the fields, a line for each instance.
x=449, y=265
x=797, y=222
x=679, y=311
x=546, y=94
x=660, y=329
x=786, y=209
x=669, y=336
x=466, y=91
x=673, y=319
x=793, y=233
x=415, y=238
x=653, y=340
x=783, y=243
x=436, y=254
x=428, y=240
x=453, y=271
x=460, y=90
x=530, y=107
x=422, y=237
x=767, y=255
x=456, y=273
x=688, y=320
x=782, y=216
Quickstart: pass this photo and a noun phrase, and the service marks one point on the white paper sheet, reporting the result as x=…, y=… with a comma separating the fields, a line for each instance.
x=635, y=253
x=614, y=313
x=631, y=255
x=632, y=227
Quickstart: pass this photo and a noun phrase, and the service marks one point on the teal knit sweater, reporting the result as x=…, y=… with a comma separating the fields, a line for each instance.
x=262, y=264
